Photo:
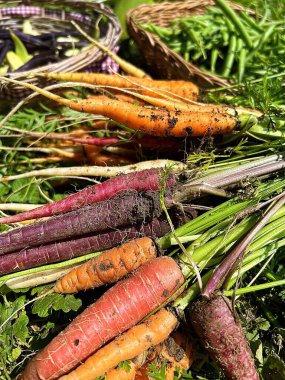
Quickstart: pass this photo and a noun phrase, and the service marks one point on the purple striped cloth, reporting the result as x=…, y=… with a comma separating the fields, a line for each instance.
x=105, y=65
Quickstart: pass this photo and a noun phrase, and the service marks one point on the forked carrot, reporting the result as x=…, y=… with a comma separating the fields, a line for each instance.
x=109, y=267
x=184, y=89
x=127, y=346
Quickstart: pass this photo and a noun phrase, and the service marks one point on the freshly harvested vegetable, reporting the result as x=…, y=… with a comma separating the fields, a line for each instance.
x=177, y=352
x=127, y=346
x=126, y=209
x=143, y=180
x=146, y=86
x=157, y=122
x=26, y=51
x=213, y=317
x=70, y=225
x=67, y=249
x=98, y=171
x=235, y=44
x=109, y=267
x=120, y=373
x=118, y=309
x=215, y=322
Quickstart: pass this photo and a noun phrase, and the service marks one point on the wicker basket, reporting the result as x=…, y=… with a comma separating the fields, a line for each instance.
x=162, y=61
x=56, y=15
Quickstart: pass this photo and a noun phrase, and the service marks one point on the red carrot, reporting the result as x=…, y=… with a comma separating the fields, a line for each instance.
x=64, y=250
x=148, y=179
x=120, y=308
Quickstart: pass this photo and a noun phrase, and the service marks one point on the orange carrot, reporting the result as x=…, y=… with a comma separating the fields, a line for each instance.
x=127, y=346
x=122, y=97
x=109, y=267
x=178, y=353
x=184, y=89
x=118, y=309
x=157, y=122
x=120, y=373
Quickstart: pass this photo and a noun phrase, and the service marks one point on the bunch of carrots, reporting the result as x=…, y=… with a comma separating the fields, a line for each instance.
x=124, y=324
x=175, y=111
x=153, y=280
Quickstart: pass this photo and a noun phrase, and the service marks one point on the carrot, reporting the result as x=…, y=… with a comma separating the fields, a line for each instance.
x=176, y=351
x=121, y=373
x=67, y=249
x=215, y=322
x=148, y=179
x=123, y=210
x=123, y=97
x=213, y=316
x=98, y=171
x=109, y=267
x=132, y=343
x=118, y=309
x=157, y=122
x=181, y=88
x=97, y=157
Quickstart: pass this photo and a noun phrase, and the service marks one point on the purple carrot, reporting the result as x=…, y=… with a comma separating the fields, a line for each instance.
x=148, y=179
x=213, y=317
x=221, y=334
x=124, y=210
x=65, y=250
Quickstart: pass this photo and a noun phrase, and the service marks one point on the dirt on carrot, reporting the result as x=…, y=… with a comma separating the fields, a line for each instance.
x=215, y=322
x=176, y=352
x=109, y=267
x=142, y=180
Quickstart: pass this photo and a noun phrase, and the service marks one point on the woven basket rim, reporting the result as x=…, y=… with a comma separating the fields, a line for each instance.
x=168, y=11
x=83, y=58
x=76, y=63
